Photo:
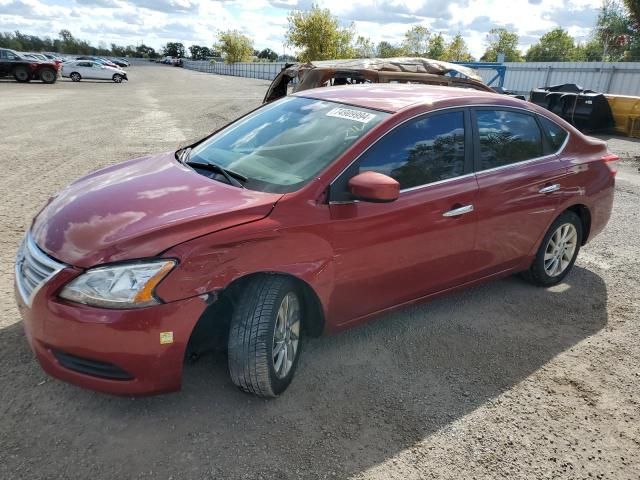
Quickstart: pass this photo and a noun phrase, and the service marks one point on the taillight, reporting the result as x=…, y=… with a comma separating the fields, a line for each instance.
x=611, y=159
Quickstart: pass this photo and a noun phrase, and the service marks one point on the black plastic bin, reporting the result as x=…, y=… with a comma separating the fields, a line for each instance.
x=587, y=110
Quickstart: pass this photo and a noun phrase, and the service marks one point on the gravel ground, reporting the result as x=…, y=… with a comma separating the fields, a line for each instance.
x=501, y=381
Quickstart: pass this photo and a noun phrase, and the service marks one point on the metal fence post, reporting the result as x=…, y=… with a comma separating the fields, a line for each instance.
x=548, y=76
x=610, y=80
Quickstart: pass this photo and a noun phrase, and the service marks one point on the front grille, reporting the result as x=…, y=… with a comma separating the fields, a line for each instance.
x=94, y=368
x=33, y=269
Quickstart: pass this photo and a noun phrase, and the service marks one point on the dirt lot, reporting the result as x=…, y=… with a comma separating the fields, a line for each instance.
x=502, y=381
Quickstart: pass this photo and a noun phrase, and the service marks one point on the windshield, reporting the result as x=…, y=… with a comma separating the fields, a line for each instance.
x=281, y=147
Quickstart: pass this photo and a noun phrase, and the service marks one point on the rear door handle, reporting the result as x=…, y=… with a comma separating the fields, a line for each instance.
x=458, y=211
x=550, y=188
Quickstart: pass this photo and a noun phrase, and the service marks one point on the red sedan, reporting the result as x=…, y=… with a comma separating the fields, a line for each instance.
x=306, y=216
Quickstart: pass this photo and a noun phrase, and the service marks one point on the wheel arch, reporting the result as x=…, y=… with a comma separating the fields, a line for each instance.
x=583, y=212
x=212, y=328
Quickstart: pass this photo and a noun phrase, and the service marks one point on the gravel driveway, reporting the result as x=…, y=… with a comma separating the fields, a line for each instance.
x=501, y=381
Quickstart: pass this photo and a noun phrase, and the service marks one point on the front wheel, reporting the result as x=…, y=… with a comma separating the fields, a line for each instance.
x=75, y=77
x=48, y=75
x=265, y=335
x=22, y=74
x=558, y=251
x=117, y=78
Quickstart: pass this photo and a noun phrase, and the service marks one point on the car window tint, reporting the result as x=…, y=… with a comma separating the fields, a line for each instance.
x=555, y=133
x=507, y=137
x=421, y=151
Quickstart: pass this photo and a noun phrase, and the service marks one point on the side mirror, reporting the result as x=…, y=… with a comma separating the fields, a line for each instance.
x=374, y=187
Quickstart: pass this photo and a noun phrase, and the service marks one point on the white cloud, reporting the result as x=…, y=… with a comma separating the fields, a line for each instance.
x=155, y=22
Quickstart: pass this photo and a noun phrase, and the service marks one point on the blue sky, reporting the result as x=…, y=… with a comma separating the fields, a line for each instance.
x=156, y=22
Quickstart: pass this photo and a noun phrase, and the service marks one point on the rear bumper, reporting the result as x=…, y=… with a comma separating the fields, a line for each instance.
x=112, y=351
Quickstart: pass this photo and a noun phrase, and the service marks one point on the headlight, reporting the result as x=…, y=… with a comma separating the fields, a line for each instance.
x=129, y=285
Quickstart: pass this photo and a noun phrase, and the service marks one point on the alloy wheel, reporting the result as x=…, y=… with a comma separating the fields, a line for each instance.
x=286, y=335
x=560, y=249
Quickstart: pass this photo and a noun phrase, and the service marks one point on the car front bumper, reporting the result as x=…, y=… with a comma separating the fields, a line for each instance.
x=122, y=352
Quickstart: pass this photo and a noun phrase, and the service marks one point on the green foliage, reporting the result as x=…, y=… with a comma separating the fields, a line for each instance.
x=199, y=53
x=235, y=46
x=173, y=49
x=364, y=48
x=416, y=41
x=437, y=47
x=387, y=50
x=554, y=46
x=501, y=40
x=268, y=54
x=457, y=50
x=590, y=51
x=319, y=35
x=68, y=44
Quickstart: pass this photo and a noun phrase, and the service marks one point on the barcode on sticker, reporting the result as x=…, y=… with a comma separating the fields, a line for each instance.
x=349, y=114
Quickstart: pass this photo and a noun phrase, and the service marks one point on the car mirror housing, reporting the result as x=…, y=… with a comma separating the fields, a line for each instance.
x=374, y=187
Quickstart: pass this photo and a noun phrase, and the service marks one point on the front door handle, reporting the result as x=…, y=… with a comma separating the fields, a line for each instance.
x=550, y=188
x=458, y=211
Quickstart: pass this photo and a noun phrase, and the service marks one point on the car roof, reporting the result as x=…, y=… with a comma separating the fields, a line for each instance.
x=395, y=97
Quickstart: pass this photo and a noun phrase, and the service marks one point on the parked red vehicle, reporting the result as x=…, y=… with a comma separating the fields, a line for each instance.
x=308, y=215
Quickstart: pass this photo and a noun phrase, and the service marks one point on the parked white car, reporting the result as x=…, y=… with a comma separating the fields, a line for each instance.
x=87, y=69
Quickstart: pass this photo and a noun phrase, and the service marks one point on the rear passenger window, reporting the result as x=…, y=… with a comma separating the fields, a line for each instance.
x=507, y=137
x=421, y=151
x=555, y=134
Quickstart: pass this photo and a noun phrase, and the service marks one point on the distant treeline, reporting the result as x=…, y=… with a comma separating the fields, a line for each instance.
x=67, y=43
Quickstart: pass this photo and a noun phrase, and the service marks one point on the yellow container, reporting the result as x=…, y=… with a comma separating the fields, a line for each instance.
x=626, y=114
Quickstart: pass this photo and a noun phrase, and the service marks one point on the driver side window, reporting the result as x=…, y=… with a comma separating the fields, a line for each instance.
x=422, y=151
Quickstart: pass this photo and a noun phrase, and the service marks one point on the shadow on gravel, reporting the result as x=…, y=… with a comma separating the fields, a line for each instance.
x=359, y=398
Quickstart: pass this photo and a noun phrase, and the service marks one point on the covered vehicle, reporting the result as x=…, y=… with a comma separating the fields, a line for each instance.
x=326, y=73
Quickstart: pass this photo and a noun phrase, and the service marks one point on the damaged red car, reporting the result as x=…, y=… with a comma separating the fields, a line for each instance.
x=309, y=215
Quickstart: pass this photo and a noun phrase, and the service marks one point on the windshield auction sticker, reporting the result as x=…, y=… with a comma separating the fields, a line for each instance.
x=349, y=114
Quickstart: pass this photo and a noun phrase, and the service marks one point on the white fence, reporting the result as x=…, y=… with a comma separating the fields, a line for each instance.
x=622, y=78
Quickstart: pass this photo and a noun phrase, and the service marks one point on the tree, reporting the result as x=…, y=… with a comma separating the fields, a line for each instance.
x=457, y=50
x=590, y=51
x=319, y=34
x=364, y=48
x=174, y=49
x=501, y=40
x=554, y=46
x=437, y=47
x=416, y=41
x=199, y=53
x=268, y=54
x=235, y=46
x=614, y=30
x=387, y=50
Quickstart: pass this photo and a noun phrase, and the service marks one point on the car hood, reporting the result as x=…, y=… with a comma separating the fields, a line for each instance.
x=139, y=209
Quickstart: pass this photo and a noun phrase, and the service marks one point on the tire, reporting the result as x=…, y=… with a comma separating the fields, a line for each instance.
x=75, y=77
x=258, y=345
x=48, y=75
x=22, y=74
x=117, y=78
x=558, y=251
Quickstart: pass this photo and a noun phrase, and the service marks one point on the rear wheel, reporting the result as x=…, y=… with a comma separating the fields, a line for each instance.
x=75, y=77
x=264, y=339
x=117, y=78
x=48, y=75
x=558, y=251
x=22, y=74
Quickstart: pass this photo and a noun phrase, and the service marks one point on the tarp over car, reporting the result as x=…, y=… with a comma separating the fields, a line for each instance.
x=365, y=70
